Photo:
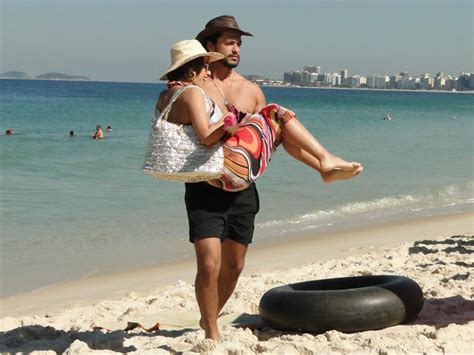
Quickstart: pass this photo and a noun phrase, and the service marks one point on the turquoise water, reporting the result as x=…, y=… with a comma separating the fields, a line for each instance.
x=73, y=207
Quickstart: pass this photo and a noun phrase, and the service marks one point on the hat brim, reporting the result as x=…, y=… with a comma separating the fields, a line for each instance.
x=213, y=56
x=208, y=32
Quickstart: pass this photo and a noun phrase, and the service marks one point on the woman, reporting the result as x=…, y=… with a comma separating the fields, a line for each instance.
x=249, y=140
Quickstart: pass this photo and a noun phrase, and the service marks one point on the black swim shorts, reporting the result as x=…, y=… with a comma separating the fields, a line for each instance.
x=213, y=212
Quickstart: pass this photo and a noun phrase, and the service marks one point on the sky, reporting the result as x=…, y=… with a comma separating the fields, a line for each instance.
x=129, y=40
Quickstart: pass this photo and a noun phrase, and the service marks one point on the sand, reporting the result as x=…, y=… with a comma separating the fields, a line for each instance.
x=437, y=252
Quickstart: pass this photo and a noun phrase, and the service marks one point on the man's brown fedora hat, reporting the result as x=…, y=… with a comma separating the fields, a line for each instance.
x=218, y=24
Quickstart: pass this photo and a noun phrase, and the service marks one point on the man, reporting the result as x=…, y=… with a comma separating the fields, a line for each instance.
x=99, y=133
x=222, y=230
x=223, y=34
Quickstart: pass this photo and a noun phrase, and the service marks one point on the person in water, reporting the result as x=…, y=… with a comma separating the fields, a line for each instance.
x=99, y=133
x=221, y=212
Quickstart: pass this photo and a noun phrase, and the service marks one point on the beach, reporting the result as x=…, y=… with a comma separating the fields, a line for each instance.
x=89, y=315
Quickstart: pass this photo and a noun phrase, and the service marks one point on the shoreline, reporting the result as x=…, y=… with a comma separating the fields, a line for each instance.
x=264, y=86
x=435, y=91
x=297, y=251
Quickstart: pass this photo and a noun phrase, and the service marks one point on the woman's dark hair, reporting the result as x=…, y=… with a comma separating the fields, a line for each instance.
x=186, y=70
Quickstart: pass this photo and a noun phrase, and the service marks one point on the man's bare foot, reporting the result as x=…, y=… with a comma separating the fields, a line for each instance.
x=335, y=175
x=213, y=335
x=204, y=346
x=333, y=162
x=210, y=333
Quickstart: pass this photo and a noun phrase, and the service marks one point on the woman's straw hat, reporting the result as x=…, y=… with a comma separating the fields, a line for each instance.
x=185, y=51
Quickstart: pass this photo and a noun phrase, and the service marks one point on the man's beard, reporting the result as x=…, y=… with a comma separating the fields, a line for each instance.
x=226, y=63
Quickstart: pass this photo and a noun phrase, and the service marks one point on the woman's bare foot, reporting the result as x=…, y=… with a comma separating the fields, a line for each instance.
x=333, y=162
x=335, y=175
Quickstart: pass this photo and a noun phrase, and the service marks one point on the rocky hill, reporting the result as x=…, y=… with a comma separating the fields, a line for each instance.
x=60, y=76
x=14, y=75
x=47, y=76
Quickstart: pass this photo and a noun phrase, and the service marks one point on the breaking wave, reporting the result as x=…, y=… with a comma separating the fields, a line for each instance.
x=444, y=199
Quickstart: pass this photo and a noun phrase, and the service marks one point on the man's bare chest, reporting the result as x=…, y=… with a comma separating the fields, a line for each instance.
x=237, y=96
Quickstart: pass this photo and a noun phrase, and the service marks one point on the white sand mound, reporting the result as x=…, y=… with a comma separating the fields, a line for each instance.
x=442, y=267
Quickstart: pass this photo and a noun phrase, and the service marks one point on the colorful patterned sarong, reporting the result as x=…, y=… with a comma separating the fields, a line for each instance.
x=248, y=151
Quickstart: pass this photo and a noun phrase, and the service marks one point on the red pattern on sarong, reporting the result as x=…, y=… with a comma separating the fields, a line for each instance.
x=248, y=152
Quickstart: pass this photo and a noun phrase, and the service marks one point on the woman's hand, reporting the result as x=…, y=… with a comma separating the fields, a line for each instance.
x=230, y=123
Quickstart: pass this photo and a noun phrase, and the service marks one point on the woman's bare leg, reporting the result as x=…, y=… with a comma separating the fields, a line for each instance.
x=302, y=156
x=297, y=135
x=312, y=162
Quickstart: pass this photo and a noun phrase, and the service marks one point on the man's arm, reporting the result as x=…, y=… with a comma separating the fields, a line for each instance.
x=255, y=96
x=261, y=102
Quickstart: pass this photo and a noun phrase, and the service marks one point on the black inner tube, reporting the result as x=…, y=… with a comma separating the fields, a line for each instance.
x=346, y=304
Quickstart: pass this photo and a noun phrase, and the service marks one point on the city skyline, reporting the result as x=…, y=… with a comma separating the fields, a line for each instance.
x=351, y=72
x=128, y=40
x=314, y=76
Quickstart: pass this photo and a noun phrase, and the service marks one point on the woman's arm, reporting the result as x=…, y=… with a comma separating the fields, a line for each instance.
x=159, y=103
x=195, y=105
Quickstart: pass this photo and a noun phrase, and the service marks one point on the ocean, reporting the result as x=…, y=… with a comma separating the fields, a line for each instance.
x=72, y=207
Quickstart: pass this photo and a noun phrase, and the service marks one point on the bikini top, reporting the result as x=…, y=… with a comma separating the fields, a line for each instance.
x=212, y=109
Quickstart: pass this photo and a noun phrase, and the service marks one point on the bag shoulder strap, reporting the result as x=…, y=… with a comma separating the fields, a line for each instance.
x=166, y=111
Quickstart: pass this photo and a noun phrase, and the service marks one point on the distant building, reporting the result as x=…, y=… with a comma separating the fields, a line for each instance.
x=464, y=81
x=288, y=76
x=296, y=77
x=450, y=83
x=426, y=82
x=313, y=69
x=439, y=83
x=325, y=79
x=353, y=81
x=381, y=82
x=330, y=79
x=377, y=81
x=394, y=82
x=344, y=75
x=409, y=83
x=371, y=81
x=404, y=75
x=313, y=77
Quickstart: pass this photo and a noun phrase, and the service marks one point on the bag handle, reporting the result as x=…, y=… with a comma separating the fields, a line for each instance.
x=166, y=111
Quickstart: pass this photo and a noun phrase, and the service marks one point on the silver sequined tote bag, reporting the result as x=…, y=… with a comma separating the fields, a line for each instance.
x=175, y=153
